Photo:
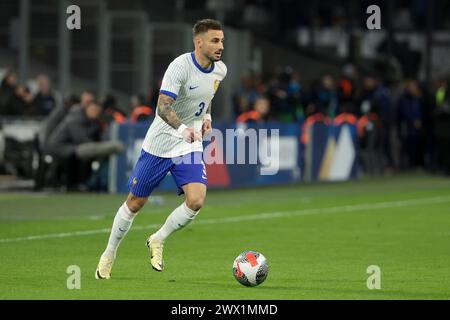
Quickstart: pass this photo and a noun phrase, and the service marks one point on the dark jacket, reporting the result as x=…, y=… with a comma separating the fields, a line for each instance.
x=408, y=112
x=43, y=104
x=74, y=130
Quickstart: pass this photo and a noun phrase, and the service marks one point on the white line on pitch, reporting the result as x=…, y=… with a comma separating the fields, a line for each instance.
x=259, y=216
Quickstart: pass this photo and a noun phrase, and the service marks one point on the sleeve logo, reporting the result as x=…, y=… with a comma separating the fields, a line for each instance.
x=216, y=85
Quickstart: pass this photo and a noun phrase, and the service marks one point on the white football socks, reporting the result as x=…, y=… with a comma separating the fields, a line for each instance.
x=179, y=218
x=122, y=223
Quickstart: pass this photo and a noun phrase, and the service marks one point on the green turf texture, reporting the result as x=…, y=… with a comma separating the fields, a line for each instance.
x=313, y=254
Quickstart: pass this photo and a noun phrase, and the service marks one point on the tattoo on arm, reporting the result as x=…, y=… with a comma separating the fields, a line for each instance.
x=166, y=112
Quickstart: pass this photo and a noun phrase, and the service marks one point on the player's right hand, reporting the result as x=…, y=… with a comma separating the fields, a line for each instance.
x=190, y=135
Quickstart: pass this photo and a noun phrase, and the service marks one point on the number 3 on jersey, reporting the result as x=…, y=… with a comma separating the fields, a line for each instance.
x=201, y=106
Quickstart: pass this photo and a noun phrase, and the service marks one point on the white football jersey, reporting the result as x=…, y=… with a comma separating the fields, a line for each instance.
x=193, y=88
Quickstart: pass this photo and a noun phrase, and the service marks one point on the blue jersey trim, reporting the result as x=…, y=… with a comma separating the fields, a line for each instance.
x=168, y=93
x=199, y=66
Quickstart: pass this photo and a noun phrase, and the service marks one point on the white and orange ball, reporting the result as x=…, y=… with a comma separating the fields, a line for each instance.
x=250, y=268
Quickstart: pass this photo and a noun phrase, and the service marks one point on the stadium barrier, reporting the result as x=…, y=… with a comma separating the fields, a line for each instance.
x=249, y=155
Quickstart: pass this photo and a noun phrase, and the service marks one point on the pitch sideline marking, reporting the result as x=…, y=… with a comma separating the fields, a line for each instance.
x=259, y=216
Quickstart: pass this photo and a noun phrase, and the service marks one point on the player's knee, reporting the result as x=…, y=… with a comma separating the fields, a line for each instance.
x=135, y=203
x=195, y=203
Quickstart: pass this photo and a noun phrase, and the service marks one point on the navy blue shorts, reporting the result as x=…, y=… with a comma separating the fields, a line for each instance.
x=150, y=170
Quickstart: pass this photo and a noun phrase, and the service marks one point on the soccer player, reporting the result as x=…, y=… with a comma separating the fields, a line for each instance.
x=174, y=143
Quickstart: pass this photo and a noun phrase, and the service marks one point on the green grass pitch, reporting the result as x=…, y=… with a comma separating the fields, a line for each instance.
x=319, y=241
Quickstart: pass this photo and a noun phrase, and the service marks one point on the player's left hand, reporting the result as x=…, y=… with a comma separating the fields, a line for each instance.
x=206, y=128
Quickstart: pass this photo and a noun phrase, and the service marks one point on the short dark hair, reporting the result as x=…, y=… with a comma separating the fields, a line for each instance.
x=204, y=25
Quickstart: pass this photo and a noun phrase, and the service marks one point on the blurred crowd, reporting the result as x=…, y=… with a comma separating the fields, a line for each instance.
x=73, y=145
x=18, y=100
x=399, y=125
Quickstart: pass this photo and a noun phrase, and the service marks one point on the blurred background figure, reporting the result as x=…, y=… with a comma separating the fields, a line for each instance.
x=80, y=126
x=246, y=94
x=346, y=115
x=371, y=134
x=325, y=92
x=141, y=111
x=259, y=112
x=284, y=94
x=442, y=125
x=86, y=97
x=349, y=86
x=7, y=92
x=111, y=111
x=15, y=98
x=315, y=113
x=410, y=125
x=376, y=93
x=44, y=101
x=73, y=104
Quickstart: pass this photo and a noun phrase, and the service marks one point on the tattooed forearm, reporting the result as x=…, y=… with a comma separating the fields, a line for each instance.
x=166, y=112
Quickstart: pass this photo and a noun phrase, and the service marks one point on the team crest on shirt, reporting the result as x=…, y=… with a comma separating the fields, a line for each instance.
x=216, y=85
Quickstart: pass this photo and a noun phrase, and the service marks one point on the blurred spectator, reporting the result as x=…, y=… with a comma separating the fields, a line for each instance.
x=15, y=99
x=375, y=93
x=259, y=113
x=21, y=102
x=442, y=125
x=348, y=86
x=44, y=173
x=327, y=95
x=428, y=127
x=78, y=127
x=86, y=97
x=111, y=111
x=409, y=122
x=285, y=96
x=442, y=95
x=314, y=114
x=242, y=104
x=71, y=104
x=141, y=110
x=346, y=116
x=7, y=91
x=246, y=95
x=44, y=101
x=371, y=140
x=56, y=116
x=373, y=89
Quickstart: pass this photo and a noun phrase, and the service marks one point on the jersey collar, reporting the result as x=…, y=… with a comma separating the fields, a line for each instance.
x=199, y=67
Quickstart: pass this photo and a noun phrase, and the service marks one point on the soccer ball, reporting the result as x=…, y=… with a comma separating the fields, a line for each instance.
x=250, y=268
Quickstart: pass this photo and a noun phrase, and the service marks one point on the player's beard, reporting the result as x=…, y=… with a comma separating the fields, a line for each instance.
x=213, y=58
